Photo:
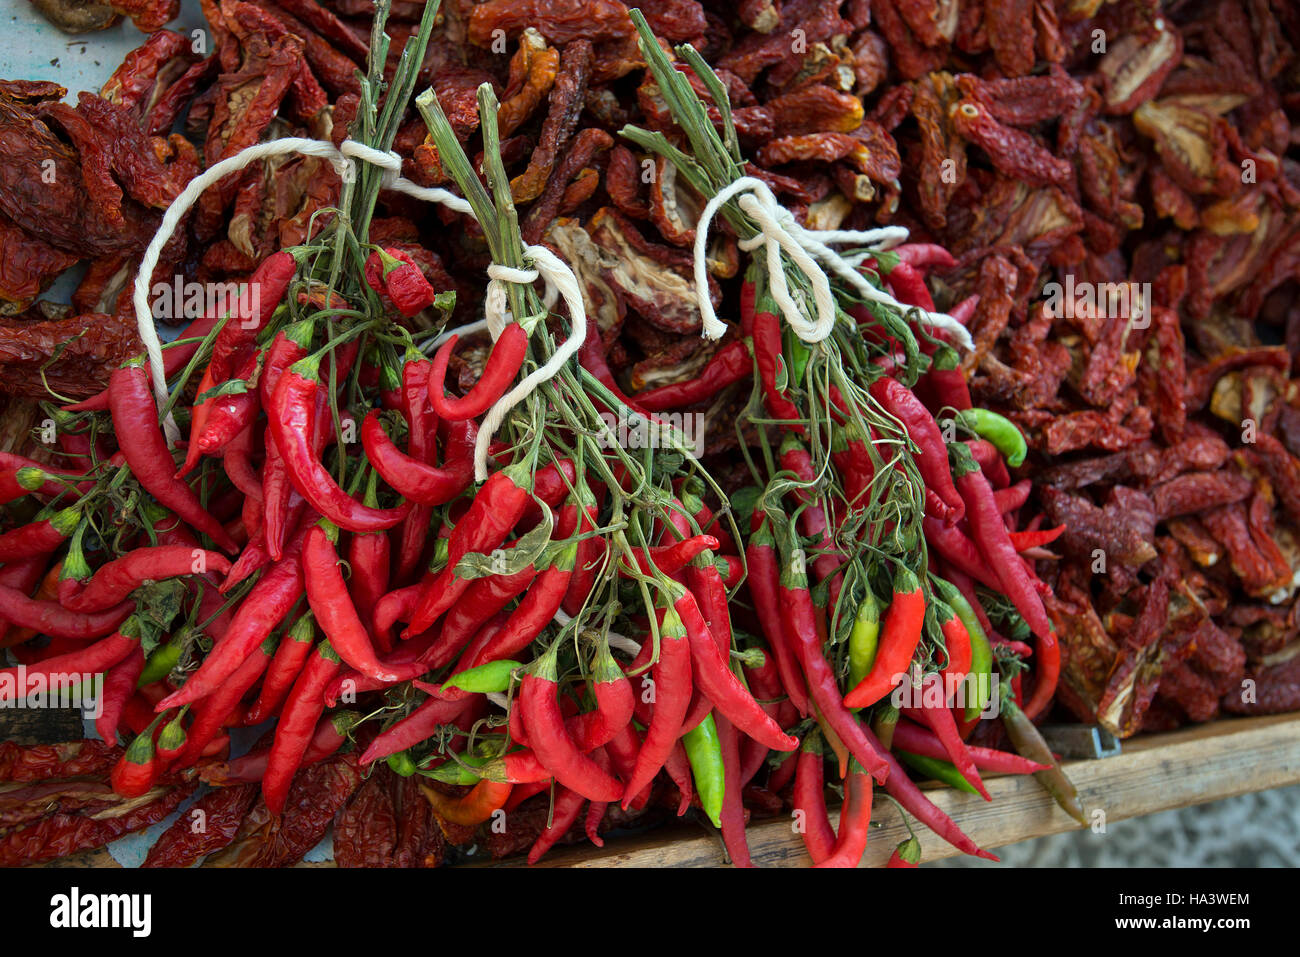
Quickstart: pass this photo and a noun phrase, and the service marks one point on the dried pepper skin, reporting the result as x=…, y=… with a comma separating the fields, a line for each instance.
x=1013, y=152
x=184, y=844
x=1009, y=25
x=318, y=792
x=43, y=191
x=366, y=832
x=559, y=21
x=533, y=70
x=42, y=762
x=566, y=101
x=61, y=834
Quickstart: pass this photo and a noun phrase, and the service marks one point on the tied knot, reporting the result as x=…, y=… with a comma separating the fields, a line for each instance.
x=780, y=233
x=390, y=162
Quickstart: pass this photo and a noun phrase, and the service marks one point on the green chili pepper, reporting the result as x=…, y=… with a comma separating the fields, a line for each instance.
x=863, y=638
x=1030, y=744
x=162, y=661
x=943, y=771
x=999, y=430
x=493, y=676
x=795, y=356
x=704, y=749
x=981, y=652
x=402, y=763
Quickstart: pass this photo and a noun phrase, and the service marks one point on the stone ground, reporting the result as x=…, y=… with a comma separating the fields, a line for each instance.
x=1254, y=830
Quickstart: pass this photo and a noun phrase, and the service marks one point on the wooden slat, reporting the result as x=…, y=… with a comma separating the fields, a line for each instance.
x=1155, y=773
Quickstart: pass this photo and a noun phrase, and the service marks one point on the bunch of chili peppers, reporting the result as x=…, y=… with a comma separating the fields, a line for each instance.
x=326, y=495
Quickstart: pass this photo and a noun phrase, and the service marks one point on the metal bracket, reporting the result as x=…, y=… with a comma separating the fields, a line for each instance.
x=1077, y=741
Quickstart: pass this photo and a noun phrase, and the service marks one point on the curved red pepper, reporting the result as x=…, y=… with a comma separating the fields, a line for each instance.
x=414, y=479
x=503, y=365
x=292, y=420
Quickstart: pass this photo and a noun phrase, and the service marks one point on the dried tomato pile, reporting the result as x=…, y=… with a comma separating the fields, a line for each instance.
x=1015, y=141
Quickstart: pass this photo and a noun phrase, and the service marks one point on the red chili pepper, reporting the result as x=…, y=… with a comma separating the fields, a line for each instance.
x=330, y=734
x=590, y=552
x=222, y=708
x=678, y=768
x=804, y=625
x=416, y=480
x=794, y=457
x=230, y=414
x=568, y=805
x=932, y=456
x=262, y=609
x=990, y=462
x=670, y=559
x=551, y=486
x=135, y=419
x=297, y=725
x=1034, y=538
x=733, y=807
x=767, y=355
x=330, y=602
x=292, y=418
x=1011, y=498
x=994, y=543
x=944, y=385
x=939, y=719
x=900, y=633
x=907, y=854
x=137, y=769
x=904, y=790
x=397, y=605
x=119, y=685
x=810, y=798
x=957, y=549
x=853, y=462
x=855, y=823
x=491, y=516
x=550, y=739
x=924, y=256
x=502, y=366
x=915, y=739
x=908, y=286
x=672, y=696
x=715, y=679
x=728, y=365
x=39, y=537
x=260, y=296
x=535, y=611
x=394, y=272
x=760, y=556
x=596, y=809
x=956, y=640
x=369, y=559
x=1047, y=671
x=416, y=727
x=290, y=656
x=113, y=582
x=51, y=618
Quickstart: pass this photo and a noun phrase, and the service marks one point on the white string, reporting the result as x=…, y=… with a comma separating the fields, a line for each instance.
x=558, y=277
x=779, y=233
x=557, y=274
